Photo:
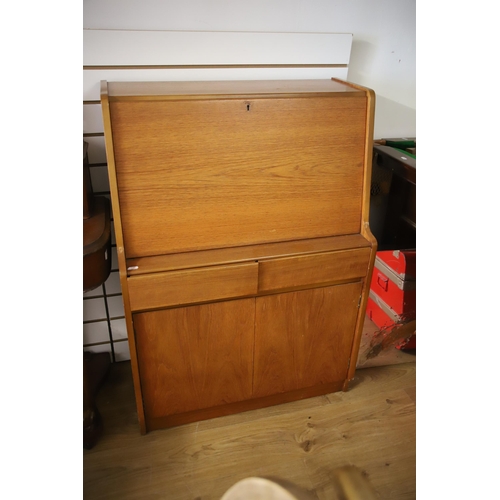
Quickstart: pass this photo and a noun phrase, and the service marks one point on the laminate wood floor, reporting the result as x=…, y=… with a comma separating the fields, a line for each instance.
x=371, y=426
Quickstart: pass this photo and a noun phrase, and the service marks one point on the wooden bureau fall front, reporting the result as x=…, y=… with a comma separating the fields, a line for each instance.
x=241, y=221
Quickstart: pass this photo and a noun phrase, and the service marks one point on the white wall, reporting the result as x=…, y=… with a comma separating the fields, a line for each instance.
x=383, y=53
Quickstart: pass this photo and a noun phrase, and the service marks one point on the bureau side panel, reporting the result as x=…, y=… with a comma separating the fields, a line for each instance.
x=212, y=173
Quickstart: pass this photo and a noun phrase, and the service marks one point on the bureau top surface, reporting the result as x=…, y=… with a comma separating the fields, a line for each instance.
x=119, y=90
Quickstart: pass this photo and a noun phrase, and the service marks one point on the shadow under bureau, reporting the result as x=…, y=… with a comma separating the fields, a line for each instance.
x=241, y=221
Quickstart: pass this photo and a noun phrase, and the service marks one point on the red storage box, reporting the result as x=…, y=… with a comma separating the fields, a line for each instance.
x=401, y=262
x=392, y=298
x=388, y=321
x=379, y=312
x=398, y=293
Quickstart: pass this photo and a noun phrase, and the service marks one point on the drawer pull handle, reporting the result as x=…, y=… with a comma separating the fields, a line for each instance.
x=382, y=282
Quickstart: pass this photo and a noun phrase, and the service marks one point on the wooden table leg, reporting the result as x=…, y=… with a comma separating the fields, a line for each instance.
x=95, y=369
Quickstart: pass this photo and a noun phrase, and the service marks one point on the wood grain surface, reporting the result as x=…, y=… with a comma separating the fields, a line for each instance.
x=199, y=172
x=187, y=260
x=216, y=173
x=195, y=357
x=303, y=338
x=371, y=426
x=310, y=270
x=173, y=288
x=231, y=88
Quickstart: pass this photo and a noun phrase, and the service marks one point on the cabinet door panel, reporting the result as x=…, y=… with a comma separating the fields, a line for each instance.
x=195, y=357
x=304, y=338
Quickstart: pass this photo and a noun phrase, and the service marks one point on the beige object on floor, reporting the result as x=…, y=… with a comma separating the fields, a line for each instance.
x=259, y=488
x=348, y=483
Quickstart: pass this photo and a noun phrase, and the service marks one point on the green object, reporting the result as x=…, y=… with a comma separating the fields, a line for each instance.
x=406, y=153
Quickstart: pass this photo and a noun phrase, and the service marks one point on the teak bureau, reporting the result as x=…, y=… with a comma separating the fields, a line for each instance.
x=245, y=256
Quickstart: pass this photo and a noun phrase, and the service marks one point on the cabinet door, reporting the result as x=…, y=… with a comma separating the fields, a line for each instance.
x=304, y=338
x=195, y=357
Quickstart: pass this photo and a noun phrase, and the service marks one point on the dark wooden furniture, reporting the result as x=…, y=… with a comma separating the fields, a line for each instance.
x=393, y=202
x=393, y=222
x=96, y=269
x=241, y=220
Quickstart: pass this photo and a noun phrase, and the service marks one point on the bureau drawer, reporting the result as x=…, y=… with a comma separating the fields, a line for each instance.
x=315, y=269
x=189, y=286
